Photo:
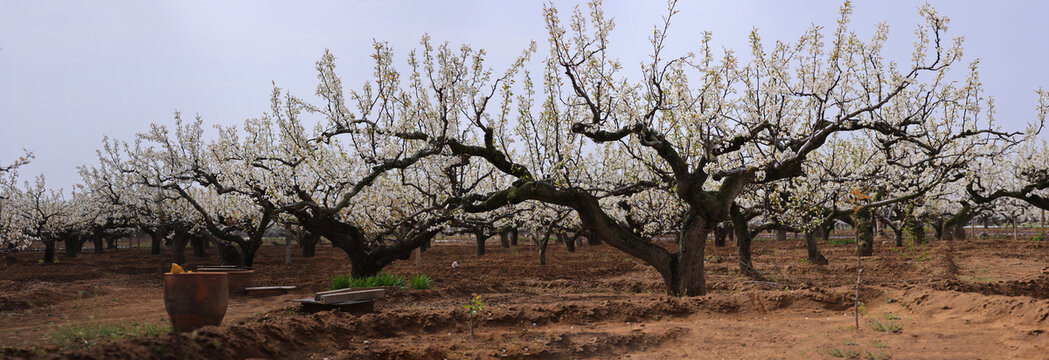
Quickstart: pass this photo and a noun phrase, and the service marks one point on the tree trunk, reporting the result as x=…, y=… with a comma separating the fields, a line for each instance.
x=248, y=256
x=592, y=239
x=481, y=237
x=364, y=261
x=1042, y=230
x=814, y=252
x=864, y=233
x=99, y=243
x=1016, y=233
x=689, y=270
x=157, y=238
x=667, y=263
x=915, y=229
x=959, y=229
x=287, y=250
x=897, y=231
x=308, y=241
x=74, y=244
x=569, y=243
x=720, y=234
x=49, y=251
x=178, y=247
x=425, y=246
x=878, y=229
x=362, y=266
x=504, y=239
x=111, y=243
x=514, y=235
x=947, y=232
x=228, y=254
x=366, y=256
x=937, y=229
x=542, y=250
x=67, y=248
x=954, y=227
x=743, y=240
x=198, y=243
x=781, y=235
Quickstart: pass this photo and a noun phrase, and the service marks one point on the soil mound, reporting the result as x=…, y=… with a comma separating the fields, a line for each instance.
x=22, y=296
x=1036, y=288
x=978, y=308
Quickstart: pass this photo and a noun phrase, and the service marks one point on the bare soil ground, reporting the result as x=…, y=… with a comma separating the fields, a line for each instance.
x=972, y=299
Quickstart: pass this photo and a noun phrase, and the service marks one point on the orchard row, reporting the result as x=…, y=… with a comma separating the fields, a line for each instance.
x=795, y=136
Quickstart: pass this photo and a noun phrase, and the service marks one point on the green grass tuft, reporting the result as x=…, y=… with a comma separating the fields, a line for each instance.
x=845, y=241
x=843, y=353
x=381, y=279
x=87, y=335
x=888, y=326
x=419, y=282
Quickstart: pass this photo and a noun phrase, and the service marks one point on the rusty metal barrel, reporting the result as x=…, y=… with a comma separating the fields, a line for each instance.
x=195, y=300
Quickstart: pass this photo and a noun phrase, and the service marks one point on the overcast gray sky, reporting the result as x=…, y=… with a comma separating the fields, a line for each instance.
x=71, y=72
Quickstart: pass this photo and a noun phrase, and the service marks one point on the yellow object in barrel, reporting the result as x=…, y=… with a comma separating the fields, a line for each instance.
x=175, y=269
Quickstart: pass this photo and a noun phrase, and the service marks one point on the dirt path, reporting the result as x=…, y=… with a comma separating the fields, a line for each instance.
x=925, y=331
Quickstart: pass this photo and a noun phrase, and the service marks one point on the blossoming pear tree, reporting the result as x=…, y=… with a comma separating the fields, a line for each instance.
x=43, y=214
x=12, y=236
x=220, y=189
x=1024, y=173
x=154, y=211
x=359, y=179
x=707, y=128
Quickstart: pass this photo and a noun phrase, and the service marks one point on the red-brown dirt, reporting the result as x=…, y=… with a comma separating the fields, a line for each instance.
x=972, y=299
